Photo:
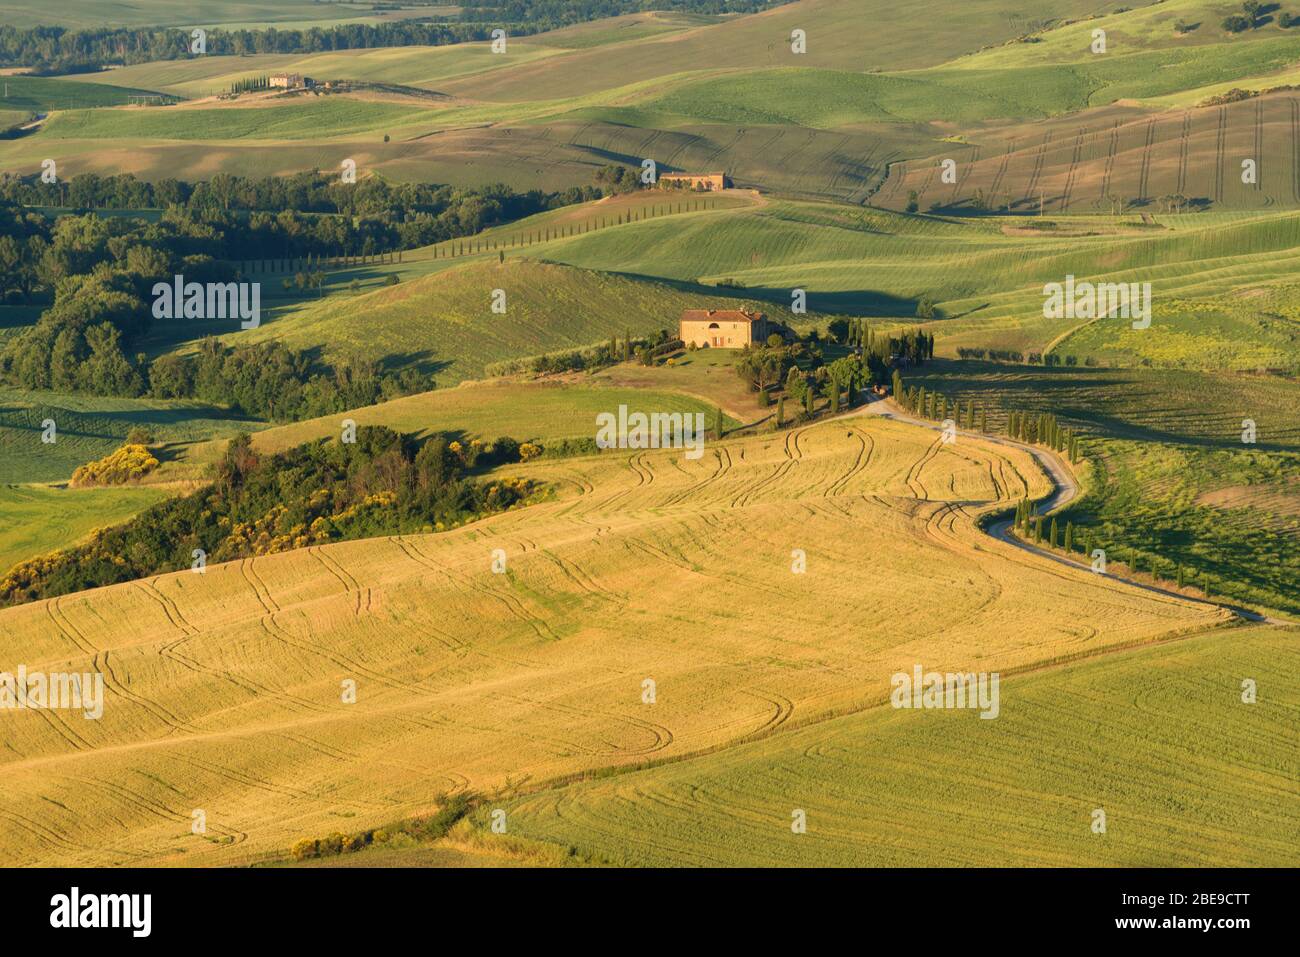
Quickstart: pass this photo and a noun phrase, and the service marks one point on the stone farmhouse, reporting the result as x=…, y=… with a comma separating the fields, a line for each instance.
x=724, y=328
x=700, y=182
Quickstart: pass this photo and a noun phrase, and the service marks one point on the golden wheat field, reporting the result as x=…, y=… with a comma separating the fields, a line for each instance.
x=225, y=690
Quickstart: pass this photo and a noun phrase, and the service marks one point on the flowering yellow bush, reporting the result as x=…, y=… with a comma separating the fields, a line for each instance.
x=128, y=464
x=528, y=450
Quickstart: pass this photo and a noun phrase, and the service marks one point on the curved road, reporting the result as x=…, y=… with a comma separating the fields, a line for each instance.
x=1066, y=490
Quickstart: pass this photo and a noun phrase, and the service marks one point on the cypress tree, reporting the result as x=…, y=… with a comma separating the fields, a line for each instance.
x=1051, y=535
x=780, y=411
x=1069, y=536
x=1038, y=528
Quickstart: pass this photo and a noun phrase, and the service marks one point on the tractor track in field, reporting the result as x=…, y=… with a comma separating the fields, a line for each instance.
x=584, y=582
x=1144, y=174
x=1184, y=150
x=913, y=477
x=1039, y=159
x=146, y=804
x=1075, y=155
x=1110, y=162
x=506, y=600
x=345, y=578
x=1220, y=146
x=967, y=169
x=275, y=630
x=171, y=651
x=101, y=662
x=724, y=466
x=41, y=832
x=867, y=448
x=782, y=708
x=1259, y=145
x=793, y=455
x=1295, y=149
x=1002, y=171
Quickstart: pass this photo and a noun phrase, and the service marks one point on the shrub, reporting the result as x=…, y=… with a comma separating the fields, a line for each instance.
x=130, y=463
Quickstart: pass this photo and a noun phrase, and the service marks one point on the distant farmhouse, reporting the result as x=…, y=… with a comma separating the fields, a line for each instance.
x=290, y=81
x=724, y=328
x=700, y=182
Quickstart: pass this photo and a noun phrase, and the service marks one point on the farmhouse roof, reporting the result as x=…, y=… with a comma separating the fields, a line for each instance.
x=725, y=315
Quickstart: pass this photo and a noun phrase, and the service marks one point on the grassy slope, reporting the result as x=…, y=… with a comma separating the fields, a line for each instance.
x=88, y=428
x=38, y=94
x=468, y=679
x=416, y=66
x=836, y=40
x=1255, y=328
x=544, y=411
x=1219, y=296
x=1159, y=739
x=551, y=85
x=300, y=119
x=989, y=283
x=444, y=322
x=36, y=520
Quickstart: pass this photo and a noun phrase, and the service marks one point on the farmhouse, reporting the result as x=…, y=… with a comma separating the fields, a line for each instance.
x=724, y=328
x=289, y=81
x=701, y=182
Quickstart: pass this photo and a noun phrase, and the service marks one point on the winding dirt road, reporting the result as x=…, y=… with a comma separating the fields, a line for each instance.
x=1066, y=490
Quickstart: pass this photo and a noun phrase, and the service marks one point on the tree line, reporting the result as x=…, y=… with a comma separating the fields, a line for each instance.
x=384, y=483
x=97, y=274
x=59, y=49
x=395, y=215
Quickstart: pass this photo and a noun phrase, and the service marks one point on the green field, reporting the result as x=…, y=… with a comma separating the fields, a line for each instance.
x=1220, y=299
x=544, y=411
x=39, y=94
x=1255, y=328
x=89, y=427
x=303, y=119
x=444, y=323
x=986, y=277
x=36, y=520
x=415, y=66
x=1159, y=739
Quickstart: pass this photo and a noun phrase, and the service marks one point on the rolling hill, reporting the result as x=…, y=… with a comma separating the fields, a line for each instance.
x=1123, y=740
x=444, y=322
x=223, y=690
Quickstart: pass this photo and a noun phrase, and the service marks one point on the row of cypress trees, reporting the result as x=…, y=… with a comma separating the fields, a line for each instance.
x=1065, y=537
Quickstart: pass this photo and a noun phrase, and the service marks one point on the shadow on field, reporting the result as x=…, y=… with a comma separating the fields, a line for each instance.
x=856, y=302
x=1127, y=404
